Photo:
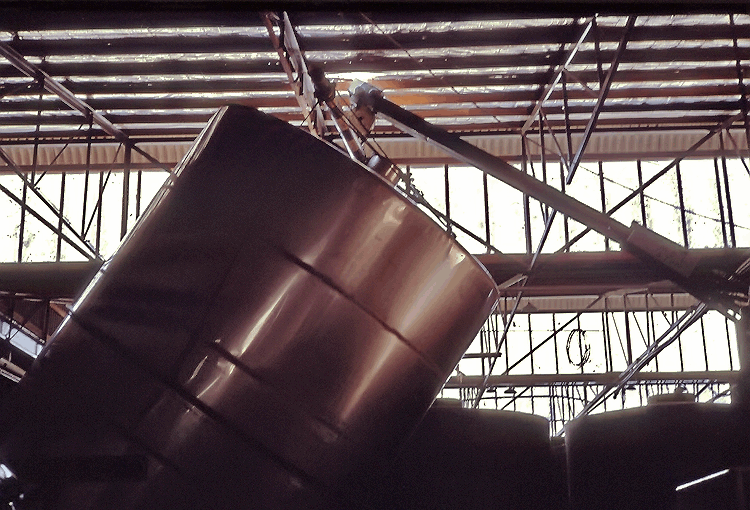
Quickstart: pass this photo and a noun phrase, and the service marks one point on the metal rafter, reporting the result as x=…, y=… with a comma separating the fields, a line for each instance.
x=588, y=131
x=603, y=91
x=53, y=86
x=557, y=76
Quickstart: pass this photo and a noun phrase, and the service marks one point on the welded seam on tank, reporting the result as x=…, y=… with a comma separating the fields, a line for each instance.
x=130, y=357
x=281, y=397
x=329, y=282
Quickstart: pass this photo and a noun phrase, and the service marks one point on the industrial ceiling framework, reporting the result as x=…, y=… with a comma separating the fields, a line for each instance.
x=531, y=132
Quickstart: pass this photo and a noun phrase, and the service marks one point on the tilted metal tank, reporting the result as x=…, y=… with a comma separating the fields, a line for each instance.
x=274, y=326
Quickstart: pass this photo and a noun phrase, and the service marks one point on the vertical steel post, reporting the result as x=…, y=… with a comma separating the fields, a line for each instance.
x=729, y=344
x=603, y=198
x=485, y=188
x=22, y=223
x=679, y=341
x=58, y=251
x=138, y=189
x=447, y=200
x=730, y=215
x=526, y=211
x=531, y=342
x=653, y=336
x=603, y=316
x=641, y=194
x=554, y=341
x=543, y=154
x=566, y=224
x=568, y=135
x=86, y=180
x=125, y=192
x=683, y=215
x=721, y=203
x=705, y=348
x=99, y=205
x=628, y=341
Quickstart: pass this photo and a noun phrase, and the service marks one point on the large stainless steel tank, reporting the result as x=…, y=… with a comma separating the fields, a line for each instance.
x=271, y=330
x=635, y=459
x=475, y=459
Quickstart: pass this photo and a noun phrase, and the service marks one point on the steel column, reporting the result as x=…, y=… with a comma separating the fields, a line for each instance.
x=58, y=251
x=125, y=193
x=730, y=214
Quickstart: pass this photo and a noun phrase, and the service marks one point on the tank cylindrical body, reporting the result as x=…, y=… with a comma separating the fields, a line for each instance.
x=474, y=459
x=636, y=458
x=275, y=325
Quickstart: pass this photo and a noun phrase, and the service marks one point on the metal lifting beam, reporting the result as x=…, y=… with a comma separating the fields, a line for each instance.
x=668, y=258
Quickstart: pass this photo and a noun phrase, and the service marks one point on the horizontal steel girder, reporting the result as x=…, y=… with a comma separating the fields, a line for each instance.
x=564, y=274
x=606, y=378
